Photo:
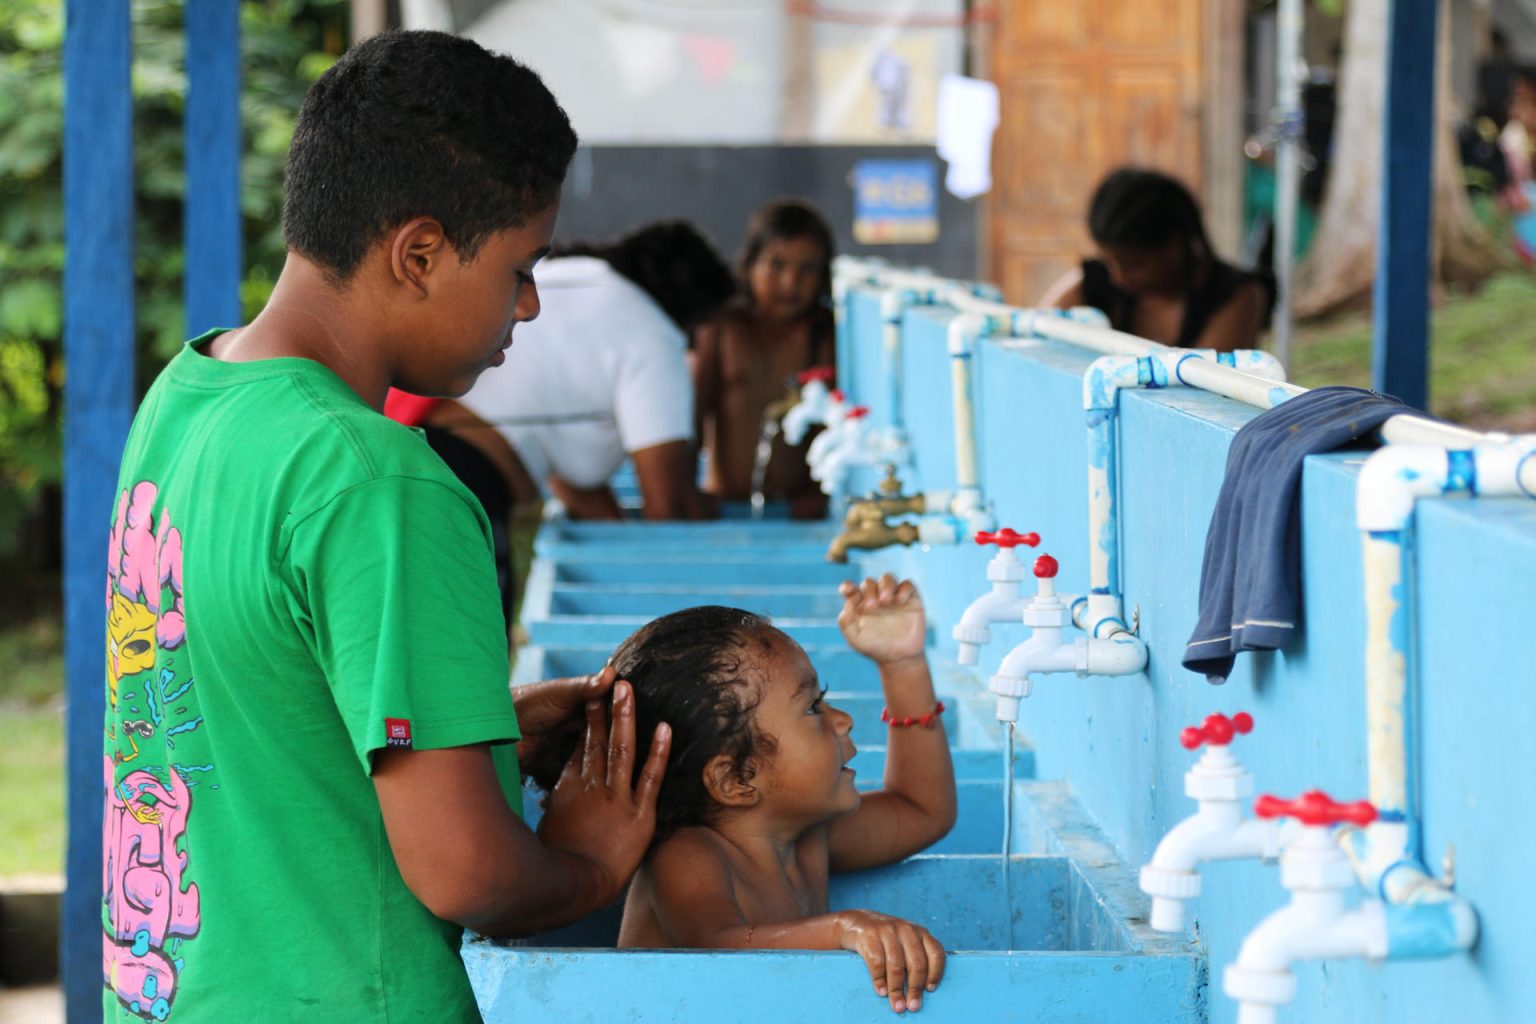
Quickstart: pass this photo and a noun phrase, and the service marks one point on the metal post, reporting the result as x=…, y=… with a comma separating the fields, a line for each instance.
x=369, y=18
x=212, y=226
x=98, y=406
x=1288, y=120
x=1400, y=351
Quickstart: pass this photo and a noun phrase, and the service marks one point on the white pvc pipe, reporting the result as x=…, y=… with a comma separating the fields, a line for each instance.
x=1052, y=325
x=1387, y=855
x=893, y=304
x=964, y=331
x=1288, y=120
x=1239, y=385
x=1410, y=429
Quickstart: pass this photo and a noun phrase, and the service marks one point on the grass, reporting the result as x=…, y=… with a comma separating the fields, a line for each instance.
x=32, y=758
x=1482, y=356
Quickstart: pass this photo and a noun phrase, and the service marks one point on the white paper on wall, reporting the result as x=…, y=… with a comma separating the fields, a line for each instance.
x=968, y=116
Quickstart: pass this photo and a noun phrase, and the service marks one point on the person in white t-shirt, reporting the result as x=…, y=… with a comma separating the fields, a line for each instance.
x=601, y=374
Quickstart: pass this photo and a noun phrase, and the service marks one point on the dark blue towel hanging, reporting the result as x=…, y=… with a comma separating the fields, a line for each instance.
x=1250, y=581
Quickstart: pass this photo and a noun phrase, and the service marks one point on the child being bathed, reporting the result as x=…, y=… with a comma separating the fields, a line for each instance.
x=758, y=803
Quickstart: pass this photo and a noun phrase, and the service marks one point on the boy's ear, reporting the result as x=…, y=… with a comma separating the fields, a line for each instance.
x=725, y=784
x=417, y=249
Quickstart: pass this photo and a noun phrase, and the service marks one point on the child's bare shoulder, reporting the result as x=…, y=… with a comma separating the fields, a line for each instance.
x=731, y=326
x=690, y=853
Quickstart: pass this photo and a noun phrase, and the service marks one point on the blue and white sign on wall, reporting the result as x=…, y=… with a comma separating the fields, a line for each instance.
x=895, y=202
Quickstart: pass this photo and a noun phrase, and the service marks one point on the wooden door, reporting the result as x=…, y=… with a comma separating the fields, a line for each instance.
x=1086, y=85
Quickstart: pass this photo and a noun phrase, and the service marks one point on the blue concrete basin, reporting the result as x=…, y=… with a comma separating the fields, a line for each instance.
x=597, y=631
x=560, y=535
x=983, y=764
x=839, y=668
x=651, y=601
x=959, y=898
x=865, y=707
x=1063, y=941
x=1079, y=951
x=700, y=568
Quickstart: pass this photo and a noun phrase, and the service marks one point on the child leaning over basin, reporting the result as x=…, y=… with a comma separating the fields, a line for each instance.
x=758, y=803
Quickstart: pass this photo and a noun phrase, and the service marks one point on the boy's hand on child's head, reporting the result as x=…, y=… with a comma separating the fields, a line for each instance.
x=597, y=811
x=904, y=960
x=883, y=619
x=551, y=716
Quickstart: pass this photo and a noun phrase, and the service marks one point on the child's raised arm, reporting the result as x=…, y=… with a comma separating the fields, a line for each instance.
x=916, y=808
x=695, y=904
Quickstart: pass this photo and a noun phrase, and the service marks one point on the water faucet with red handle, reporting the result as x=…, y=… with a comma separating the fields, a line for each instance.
x=1218, y=730
x=1315, y=807
x=1007, y=537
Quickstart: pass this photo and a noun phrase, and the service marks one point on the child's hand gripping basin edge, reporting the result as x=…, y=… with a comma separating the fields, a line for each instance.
x=759, y=804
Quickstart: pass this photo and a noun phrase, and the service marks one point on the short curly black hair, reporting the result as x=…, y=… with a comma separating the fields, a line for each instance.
x=410, y=124
x=695, y=669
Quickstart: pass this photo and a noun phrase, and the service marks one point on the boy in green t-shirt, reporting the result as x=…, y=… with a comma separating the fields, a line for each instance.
x=310, y=769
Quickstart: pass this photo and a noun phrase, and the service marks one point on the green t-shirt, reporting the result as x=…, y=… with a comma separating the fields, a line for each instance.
x=294, y=582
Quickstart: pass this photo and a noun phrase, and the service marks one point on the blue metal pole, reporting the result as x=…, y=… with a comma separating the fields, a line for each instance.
x=212, y=226
x=1400, y=351
x=98, y=406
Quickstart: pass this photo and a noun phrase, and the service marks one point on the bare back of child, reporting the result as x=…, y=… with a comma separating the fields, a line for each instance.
x=747, y=358
x=759, y=805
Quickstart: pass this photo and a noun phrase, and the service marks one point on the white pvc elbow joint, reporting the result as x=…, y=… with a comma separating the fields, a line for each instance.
x=1392, y=479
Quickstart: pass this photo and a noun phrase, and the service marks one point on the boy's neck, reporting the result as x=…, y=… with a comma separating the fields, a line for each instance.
x=311, y=317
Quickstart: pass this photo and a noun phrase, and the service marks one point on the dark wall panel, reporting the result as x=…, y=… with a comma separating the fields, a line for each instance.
x=614, y=188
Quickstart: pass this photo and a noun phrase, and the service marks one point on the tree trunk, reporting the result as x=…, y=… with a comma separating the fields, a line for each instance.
x=1341, y=266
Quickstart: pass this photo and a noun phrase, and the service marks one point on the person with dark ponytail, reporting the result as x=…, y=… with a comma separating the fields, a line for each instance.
x=1157, y=275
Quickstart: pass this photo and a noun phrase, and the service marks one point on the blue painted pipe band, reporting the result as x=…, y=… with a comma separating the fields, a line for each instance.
x=1461, y=471
x=1422, y=931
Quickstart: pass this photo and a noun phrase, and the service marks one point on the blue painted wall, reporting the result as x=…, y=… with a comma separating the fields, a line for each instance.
x=1116, y=740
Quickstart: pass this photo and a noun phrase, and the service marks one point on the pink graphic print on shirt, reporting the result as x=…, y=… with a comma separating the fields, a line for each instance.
x=148, y=908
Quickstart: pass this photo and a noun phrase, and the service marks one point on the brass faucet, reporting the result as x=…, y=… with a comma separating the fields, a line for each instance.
x=866, y=525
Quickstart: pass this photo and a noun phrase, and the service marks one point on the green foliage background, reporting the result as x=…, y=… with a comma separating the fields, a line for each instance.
x=285, y=45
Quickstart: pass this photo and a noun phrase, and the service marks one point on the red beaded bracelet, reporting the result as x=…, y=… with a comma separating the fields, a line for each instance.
x=926, y=721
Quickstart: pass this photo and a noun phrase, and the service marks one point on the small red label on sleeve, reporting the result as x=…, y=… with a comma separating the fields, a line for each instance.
x=397, y=732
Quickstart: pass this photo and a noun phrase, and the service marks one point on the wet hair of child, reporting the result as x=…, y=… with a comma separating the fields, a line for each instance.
x=695, y=669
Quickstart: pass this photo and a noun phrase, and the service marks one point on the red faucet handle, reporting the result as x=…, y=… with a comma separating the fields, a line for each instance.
x=1007, y=538
x=1314, y=807
x=1045, y=567
x=837, y=395
x=858, y=412
x=825, y=374
x=1217, y=730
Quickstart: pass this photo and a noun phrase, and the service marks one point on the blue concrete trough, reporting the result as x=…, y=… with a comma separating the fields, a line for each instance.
x=650, y=601
x=701, y=568
x=839, y=668
x=592, y=630
x=1063, y=941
